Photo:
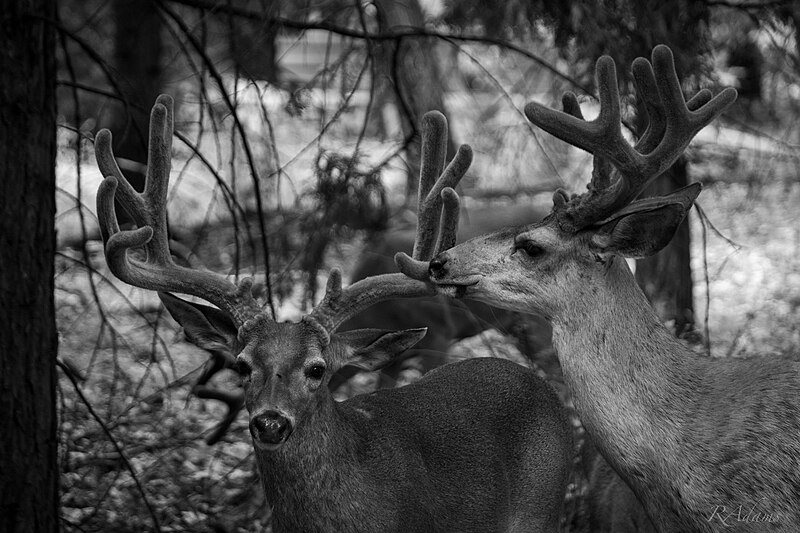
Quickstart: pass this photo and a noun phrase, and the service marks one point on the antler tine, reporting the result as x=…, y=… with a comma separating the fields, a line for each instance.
x=148, y=210
x=647, y=90
x=448, y=226
x=438, y=208
x=433, y=154
x=673, y=122
x=159, y=158
x=600, y=134
x=571, y=105
x=601, y=168
x=433, y=181
x=438, y=204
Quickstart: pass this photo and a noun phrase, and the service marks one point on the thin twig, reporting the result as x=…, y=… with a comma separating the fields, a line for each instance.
x=735, y=245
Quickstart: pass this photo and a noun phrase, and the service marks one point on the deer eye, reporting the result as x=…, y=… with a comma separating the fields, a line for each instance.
x=530, y=248
x=242, y=368
x=315, y=371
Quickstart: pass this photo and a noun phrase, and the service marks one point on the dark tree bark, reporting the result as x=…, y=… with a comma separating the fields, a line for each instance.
x=252, y=42
x=666, y=278
x=28, y=341
x=137, y=61
x=409, y=69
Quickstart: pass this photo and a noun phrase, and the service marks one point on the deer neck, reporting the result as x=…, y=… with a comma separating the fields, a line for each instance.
x=632, y=382
x=306, y=481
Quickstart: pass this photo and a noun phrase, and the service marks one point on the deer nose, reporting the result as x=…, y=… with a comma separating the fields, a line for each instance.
x=436, y=267
x=270, y=427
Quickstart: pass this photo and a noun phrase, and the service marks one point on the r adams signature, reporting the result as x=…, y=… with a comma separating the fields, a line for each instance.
x=731, y=516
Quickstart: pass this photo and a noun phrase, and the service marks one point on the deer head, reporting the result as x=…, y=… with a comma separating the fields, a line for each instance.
x=286, y=365
x=545, y=266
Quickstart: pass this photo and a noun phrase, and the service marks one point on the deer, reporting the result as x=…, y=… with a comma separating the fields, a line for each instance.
x=610, y=504
x=474, y=446
x=706, y=444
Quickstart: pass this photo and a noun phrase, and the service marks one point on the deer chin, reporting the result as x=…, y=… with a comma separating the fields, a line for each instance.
x=456, y=288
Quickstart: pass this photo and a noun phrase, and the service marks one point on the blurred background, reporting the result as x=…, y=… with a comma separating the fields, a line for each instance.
x=296, y=150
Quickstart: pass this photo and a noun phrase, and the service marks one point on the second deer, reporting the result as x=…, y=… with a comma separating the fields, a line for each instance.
x=481, y=445
x=706, y=444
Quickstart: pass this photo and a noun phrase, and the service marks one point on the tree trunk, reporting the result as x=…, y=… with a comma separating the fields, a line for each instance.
x=408, y=68
x=137, y=60
x=28, y=340
x=252, y=42
x=666, y=278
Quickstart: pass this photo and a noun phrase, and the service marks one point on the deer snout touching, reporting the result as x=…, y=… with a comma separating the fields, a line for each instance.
x=444, y=272
x=270, y=428
x=437, y=266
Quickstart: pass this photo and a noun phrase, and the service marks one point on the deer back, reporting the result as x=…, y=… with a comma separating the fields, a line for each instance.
x=447, y=453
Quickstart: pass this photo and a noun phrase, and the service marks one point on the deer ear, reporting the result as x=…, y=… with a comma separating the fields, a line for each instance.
x=644, y=227
x=372, y=349
x=204, y=326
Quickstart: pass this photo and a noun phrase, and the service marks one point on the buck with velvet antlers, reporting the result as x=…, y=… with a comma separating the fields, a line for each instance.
x=481, y=445
x=707, y=444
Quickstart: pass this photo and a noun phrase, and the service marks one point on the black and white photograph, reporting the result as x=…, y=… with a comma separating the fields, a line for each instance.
x=400, y=266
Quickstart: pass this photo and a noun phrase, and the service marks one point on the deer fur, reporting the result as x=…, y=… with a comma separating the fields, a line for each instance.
x=479, y=445
x=707, y=444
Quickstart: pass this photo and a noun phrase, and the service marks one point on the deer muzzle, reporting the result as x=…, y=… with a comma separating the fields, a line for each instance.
x=270, y=429
x=438, y=266
x=446, y=278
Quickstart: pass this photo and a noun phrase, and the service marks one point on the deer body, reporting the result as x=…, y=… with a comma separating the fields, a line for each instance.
x=706, y=444
x=404, y=459
x=691, y=435
x=694, y=437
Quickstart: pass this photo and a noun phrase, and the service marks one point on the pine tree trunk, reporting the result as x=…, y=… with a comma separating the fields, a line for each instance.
x=252, y=42
x=666, y=278
x=28, y=340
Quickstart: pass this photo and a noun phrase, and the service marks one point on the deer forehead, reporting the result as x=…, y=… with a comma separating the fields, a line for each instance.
x=543, y=235
x=282, y=344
